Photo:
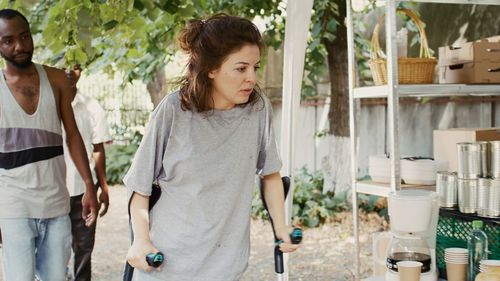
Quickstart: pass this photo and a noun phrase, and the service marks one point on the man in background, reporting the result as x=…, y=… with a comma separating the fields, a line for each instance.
x=91, y=121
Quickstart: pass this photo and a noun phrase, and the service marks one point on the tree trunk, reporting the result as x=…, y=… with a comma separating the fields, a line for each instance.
x=337, y=166
x=338, y=72
x=158, y=88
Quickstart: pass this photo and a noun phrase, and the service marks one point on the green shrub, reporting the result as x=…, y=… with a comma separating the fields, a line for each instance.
x=311, y=207
x=118, y=160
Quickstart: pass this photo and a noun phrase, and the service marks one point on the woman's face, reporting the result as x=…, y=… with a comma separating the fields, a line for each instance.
x=234, y=81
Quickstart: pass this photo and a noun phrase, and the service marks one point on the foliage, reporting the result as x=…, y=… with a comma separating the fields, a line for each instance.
x=135, y=37
x=119, y=158
x=321, y=134
x=311, y=207
x=373, y=204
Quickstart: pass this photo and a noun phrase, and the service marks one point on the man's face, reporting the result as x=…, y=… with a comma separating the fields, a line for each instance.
x=16, y=43
x=73, y=75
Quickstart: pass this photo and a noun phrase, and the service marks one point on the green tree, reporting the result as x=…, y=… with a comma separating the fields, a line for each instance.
x=137, y=38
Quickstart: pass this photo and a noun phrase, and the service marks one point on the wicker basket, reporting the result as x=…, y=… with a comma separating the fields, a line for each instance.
x=410, y=70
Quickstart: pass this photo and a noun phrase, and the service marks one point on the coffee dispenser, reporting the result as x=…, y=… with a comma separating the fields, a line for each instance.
x=413, y=218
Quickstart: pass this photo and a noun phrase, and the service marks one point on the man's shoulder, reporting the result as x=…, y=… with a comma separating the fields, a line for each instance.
x=56, y=76
x=53, y=71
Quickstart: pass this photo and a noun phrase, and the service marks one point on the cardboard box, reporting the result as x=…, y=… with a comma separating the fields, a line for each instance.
x=445, y=142
x=470, y=73
x=484, y=50
x=470, y=62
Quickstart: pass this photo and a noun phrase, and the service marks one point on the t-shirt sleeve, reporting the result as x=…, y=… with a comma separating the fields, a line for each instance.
x=147, y=164
x=269, y=161
x=101, y=132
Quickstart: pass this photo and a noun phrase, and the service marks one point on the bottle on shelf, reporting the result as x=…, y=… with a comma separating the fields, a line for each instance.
x=477, y=245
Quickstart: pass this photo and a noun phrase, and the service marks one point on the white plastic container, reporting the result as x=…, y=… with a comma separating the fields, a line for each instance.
x=410, y=210
x=421, y=171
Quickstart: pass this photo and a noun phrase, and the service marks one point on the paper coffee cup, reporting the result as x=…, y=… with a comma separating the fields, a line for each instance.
x=456, y=271
x=409, y=270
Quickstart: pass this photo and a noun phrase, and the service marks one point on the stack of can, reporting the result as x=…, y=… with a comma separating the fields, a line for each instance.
x=475, y=187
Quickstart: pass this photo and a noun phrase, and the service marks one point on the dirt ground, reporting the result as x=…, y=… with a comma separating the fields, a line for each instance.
x=326, y=254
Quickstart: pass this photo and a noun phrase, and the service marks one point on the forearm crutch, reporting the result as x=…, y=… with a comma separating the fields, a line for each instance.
x=153, y=259
x=295, y=236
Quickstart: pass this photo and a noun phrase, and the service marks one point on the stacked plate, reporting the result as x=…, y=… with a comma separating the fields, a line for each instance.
x=379, y=168
x=421, y=171
x=456, y=255
x=484, y=265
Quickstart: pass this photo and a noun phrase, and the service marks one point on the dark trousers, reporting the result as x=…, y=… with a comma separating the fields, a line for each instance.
x=83, y=241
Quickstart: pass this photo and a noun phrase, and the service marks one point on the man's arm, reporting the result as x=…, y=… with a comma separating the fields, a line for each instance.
x=100, y=169
x=74, y=141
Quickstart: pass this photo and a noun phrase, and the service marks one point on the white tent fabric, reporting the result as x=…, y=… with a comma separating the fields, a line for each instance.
x=298, y=17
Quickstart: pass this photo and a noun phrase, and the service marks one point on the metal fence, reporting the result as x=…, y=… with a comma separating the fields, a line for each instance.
x=128, y=108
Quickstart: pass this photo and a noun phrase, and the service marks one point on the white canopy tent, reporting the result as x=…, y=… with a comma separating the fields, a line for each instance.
x=298, y=17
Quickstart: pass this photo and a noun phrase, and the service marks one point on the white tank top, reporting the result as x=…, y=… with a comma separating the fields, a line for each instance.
x=32, y=168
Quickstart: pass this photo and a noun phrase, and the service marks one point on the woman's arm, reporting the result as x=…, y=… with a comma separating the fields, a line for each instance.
x=275, y=199
x=141, y=246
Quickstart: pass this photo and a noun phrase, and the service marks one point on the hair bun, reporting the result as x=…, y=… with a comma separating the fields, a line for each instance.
x=190, y=33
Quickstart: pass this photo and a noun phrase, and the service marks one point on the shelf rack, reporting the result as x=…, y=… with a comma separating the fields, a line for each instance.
x=392, y=92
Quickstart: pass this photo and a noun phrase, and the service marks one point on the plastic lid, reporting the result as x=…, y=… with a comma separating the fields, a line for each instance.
x=477, y=224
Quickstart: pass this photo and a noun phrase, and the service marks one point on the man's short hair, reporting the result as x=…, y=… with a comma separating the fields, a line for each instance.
x=10, y=14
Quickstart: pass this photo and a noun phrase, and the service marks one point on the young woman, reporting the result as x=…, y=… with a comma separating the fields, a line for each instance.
x=204, y=145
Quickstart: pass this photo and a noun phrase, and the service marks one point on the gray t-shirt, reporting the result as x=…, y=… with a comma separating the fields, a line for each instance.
x=205, y=164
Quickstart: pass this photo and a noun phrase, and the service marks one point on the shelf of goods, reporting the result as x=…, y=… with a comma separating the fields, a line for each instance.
x=382, y=189
x=428, y=90
x=393, y=91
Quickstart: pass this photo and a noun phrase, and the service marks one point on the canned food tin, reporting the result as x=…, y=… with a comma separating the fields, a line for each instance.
x=484, y=159
x=468, y=160
x=494, y=196
x=467, y=195
x=446, y=187
x=495, y=159
x=483, y=197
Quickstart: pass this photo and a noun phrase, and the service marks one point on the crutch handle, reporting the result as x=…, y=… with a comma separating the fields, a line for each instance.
x=155, y=260
x=295, y=236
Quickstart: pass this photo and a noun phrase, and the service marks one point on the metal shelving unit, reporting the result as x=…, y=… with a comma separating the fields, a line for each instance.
x=393, y=91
